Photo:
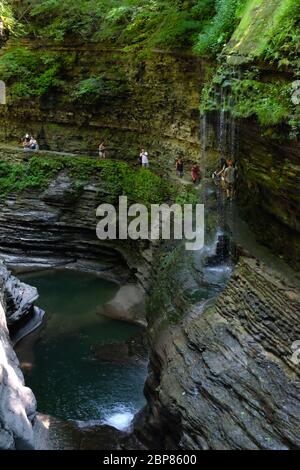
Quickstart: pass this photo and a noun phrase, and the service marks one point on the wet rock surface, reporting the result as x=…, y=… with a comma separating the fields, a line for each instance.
x=128, y=305
x=224, y=377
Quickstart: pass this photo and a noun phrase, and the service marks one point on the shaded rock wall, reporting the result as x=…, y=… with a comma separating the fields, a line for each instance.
x=269, y=190
x=224, y=377
x=17, y=403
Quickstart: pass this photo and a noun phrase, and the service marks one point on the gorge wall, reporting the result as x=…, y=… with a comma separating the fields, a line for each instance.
x=268, y=172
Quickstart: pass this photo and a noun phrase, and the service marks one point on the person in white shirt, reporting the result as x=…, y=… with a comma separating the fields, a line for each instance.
x=33, y=145
x=144, y=158
x=102, y=150
x=30, y=143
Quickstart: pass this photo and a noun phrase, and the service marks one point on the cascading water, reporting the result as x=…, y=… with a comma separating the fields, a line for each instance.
x=218, y=256
x=222, y=121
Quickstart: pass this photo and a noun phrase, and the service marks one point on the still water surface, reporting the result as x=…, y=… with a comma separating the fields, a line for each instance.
x=68, y=380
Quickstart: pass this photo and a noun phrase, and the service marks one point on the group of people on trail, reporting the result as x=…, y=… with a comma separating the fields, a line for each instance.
x=195, y=171
x=226, y=174
x=29, y=143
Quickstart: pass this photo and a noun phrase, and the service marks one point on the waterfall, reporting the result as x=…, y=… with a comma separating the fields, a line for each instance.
x=222, y=122
x=203, y=135
x=227, y=146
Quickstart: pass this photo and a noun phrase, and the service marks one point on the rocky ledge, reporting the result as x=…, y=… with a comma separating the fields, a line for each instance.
x=17, y=404
x=224, y=378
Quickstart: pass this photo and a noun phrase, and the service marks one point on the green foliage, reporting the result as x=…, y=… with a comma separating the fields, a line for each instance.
x=165, y=23
x=145, y=24
x=270, y=102
x=6, y=14
x=283, y=45
x=139, y=186
x=165, y=284
x=169, y=297
x=216, y=34
x=56, y=19
x=91, y=90
x=32, y=73
x=185, y=195
x=131, y=23
x=36, y=175
x=269, y=30
x=118, y=177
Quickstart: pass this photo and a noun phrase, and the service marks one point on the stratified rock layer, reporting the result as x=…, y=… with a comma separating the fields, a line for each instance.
x=225, y=378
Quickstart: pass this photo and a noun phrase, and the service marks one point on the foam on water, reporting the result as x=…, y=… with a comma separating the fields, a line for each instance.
x=120, y=420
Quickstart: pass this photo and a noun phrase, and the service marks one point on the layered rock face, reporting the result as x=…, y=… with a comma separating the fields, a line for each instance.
x=57, y=227
x=224, y=378
x=17, y=404
x=156, y=107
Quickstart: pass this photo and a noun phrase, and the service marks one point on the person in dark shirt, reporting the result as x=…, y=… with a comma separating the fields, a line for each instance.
x=179, y=168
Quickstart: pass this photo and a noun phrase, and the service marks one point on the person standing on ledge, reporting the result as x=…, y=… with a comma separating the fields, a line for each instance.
x=144, y=158
x=179, y=167
x=102, y=150
x=229, y=176
x=26, y=141
x=195, y=173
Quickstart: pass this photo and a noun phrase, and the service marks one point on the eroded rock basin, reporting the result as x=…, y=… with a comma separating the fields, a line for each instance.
x=73, y=363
